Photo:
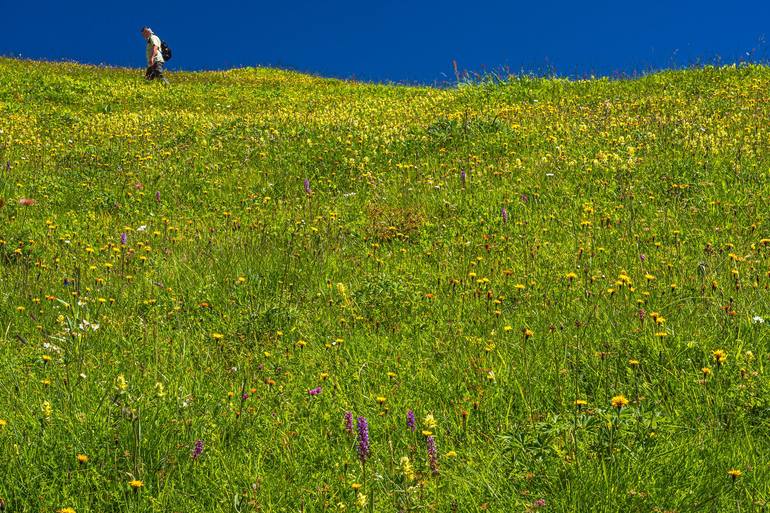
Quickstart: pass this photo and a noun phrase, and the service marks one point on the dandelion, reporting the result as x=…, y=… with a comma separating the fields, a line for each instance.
x=720, y=357
x=348, y=418
x=82, y=459
x=410, y=421
x=706, y=371
x=432, y=455
x=619, y=402
x=65, y=510
x=363, y=439
x=734, y=473
x=135, y=484
x=381, y=399
x=197, y=449
x=580, y=403
x=3, y=423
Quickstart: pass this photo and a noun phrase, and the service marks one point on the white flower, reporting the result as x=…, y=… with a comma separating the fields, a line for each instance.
x=757, y=320
x=142, y=228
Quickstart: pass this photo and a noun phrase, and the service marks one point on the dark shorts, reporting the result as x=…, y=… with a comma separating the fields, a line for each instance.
x=154, y=71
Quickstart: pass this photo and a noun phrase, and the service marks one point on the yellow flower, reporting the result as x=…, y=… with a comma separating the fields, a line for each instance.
x=82, y=458
x=217, y=336
x=120, y=383
x=407, y=469
x=580, y=403
x=706, y=371
x=720, y=356
x=3, y=423
x=425, y=432
x=361, y=500
x=66, y=510
x=356, y=486
x=633, y=363
x=430, y=421
x=734, y=473
x=619, y=401
x=135, y=484
x=451, y=454
x=527, y=332
x=381, y=399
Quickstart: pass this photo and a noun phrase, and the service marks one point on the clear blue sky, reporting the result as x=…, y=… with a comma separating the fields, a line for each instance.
x=393, y=40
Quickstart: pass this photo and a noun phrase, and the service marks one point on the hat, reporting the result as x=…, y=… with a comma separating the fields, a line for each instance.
x=148, y=29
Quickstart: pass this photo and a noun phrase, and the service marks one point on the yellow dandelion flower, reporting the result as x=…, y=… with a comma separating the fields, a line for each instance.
x=135, y=484
x=82, y=458
x=720, y=356
x=619, y=401
x=734, y=473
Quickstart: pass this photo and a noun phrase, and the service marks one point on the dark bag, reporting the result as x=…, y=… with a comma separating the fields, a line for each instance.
x=165, y=51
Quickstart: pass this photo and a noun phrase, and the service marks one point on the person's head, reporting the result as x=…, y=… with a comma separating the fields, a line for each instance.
x=146, y=32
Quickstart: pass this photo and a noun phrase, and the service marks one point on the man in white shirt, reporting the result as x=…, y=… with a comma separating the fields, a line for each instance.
x=154, y=56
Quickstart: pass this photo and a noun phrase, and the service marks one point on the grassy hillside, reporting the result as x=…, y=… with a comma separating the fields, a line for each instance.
x=565, y=282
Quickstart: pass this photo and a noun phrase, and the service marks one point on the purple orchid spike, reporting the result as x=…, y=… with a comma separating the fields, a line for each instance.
x=308, y=190
x=504, y=213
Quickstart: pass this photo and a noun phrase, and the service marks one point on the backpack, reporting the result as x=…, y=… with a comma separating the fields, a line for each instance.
x=165, y=51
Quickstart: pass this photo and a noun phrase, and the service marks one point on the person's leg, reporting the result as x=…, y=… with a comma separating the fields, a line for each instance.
x=159, y=72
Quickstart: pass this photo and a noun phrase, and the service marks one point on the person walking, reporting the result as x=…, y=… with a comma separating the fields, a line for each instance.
x=155, y=59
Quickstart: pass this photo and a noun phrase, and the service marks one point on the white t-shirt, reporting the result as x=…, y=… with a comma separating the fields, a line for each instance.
x=153, y=41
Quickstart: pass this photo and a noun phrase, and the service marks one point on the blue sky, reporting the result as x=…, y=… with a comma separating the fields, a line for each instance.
x=394, y=40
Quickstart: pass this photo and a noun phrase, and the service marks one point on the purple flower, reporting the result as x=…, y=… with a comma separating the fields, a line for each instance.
x=197, y=449
x=363, y=439
x=123, y=238
x=524, y=198
x=504, y=213
x=349, y=422
x=642, y=257
x=539, y=503
x=244, y=396
x=462, y=177
x=157, y=195
x=410, y=422
x=314, y=391
x=308, y=191
x=432, y=455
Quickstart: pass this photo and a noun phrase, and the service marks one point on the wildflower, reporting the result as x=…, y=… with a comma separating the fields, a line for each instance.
x=157, y=196
x=410, y=422
x=432, y=455
x=47, y=410
x=633, y=363
x=381, y=399
x=3, y=423
x=363, y=439
x=539, y=503
x=619, y=402
x=361, y=500
x=123, y=238
x=197, y=449
x=720, y=356
x=82, y=458
x=160, y=390
x=580, y=403
x=314, y=391
x=65, y=510
x=356, y=486
x=706, y=371
x=121, y=384
x=451, y=454
x=430, y=421
x=135, y=484
x=504, y=214
x=348, y=418
x=463, y=177
x=734, y=473
x=407, y=469
x=308, y=191
x=217, y=336
x=27, y=202
x=528, y=333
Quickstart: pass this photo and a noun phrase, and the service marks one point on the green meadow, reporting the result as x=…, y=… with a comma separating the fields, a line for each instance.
x=262, y=291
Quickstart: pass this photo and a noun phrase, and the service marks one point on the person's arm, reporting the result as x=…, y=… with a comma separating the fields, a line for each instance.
x=154, y=53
